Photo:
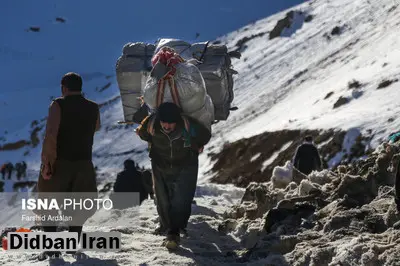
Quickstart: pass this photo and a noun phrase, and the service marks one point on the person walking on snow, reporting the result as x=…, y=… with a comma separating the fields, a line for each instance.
x=10, y=169
x=129, y=180
x=307, y=157
x=18, y=169
x=175, y=142
x=147, y=178
x=24, y=167
x=67, y=165
x=3, y=171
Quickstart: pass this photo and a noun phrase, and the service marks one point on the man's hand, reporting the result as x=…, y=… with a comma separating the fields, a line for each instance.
x=141, y=99
x=201, y=149
x=46, y=171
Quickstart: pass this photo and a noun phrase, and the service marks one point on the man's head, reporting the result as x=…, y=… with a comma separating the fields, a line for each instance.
x=71, y=83
x=129, y=164
x=169, y=115
x=308, y=138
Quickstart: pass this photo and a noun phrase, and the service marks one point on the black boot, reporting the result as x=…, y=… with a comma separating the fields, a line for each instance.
x=160, y=230
x=173, y=240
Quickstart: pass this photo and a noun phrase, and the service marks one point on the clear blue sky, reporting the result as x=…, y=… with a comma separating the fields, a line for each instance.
x=95, y=31
x=148, y=19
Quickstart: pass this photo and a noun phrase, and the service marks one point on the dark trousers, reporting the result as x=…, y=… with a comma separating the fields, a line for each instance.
x=70, y=177
x=174, y=194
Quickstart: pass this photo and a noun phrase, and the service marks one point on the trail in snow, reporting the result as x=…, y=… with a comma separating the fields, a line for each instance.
x=203, y=246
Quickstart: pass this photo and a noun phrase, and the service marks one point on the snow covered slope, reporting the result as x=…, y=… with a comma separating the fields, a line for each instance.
x=283, y=81
x=348, y=50
x=291, y=81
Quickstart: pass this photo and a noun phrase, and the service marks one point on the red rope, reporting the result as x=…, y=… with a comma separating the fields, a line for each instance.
x=170, y=58
x=167, y=56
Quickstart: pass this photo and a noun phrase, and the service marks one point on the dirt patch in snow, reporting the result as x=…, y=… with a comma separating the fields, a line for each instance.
x=341, y=101
x=241, y=44
x=237, y=164
x=290, y=23
x=354, y=84
x=33, y=142
x=329, y=94
x=286, y=22
x=386, y=83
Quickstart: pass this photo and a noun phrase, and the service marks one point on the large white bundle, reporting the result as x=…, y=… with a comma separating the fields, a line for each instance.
x=214, y=63
x=132, y=69
x=179, y=46
x=191, y=90
x=190, y=86
x=205, y=115
x=130, y=85
x=210, y=63
x=173, y=79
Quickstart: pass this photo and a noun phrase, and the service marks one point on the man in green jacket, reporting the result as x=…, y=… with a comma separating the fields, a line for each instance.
x=175, y=142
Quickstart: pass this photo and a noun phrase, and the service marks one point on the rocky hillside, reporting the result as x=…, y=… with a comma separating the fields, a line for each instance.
x=341, y=217
x=253, y=159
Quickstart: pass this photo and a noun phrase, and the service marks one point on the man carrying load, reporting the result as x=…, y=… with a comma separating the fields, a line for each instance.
x=175, y=141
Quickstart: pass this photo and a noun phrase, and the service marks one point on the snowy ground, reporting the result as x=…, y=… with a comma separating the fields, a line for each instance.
x=204, y=245
x=281, y=84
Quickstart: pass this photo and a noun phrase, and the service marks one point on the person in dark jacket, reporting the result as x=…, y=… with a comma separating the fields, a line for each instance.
x=18, y=170
x=175, y=142
x=3, y=171
x=147, y=178
x=24, y=167
x=10, y=169
x=307, y=157
x=67, y=165
x=129, y=180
